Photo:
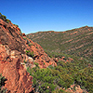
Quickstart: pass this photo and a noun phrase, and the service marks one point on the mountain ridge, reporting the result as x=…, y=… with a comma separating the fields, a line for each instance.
x=60, y=30
x=68, y=42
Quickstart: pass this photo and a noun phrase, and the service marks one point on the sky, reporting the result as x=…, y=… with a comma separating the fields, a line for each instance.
x=46, y=15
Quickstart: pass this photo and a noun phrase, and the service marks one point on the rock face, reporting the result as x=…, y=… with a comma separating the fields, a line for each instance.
x=17, y=53
x=75, y=89
x=40, y=56
x=10, y=35
x=18, y=80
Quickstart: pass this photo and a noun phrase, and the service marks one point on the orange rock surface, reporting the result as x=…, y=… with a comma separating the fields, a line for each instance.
x=13, y=48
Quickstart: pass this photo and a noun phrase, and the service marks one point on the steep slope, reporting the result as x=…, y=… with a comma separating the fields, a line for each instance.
x=20, y=55
x=17, y=53
x=77, y=42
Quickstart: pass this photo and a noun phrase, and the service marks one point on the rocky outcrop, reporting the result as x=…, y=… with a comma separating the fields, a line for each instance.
x=40, y=56
x=75, y=89
x=11, y=35
x=17, y=78
x=17, y=52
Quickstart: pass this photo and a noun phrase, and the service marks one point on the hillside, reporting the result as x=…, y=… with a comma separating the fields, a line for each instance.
x=78, y=42
x=72, y=51
x=17, y=53
x=26, y=68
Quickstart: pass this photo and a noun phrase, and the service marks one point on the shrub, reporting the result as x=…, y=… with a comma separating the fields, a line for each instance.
x=59, y=91
x=30, y=44
x=2, y=82
x=36, y=64
x=25, y=61
x=32, y=54
x=24, y=38
x=50, y=66
x=3, y=17
x=62, y=76
x=7, y=20
x=16, y=25
x=29, y=53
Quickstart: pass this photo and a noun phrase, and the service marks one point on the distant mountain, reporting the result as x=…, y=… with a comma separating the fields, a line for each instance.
x=78, y=42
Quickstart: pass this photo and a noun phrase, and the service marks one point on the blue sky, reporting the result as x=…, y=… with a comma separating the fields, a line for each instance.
x=45, y=15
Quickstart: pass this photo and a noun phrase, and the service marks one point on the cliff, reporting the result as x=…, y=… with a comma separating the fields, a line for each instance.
x=17, y=53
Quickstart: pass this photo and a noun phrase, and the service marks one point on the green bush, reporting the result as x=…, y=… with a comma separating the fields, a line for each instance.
x=24, y=38
x=63, y=76
x=2, y=82
x=29, y=53
x=16, y=25
x=25, y=61
x=7, y=20
x=30, y=44
x=59, y=91
x=48, y=79
x=36, y=64
x=50, y=66
x=3, y=17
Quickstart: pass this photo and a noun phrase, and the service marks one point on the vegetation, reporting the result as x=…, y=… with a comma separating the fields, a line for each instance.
x=29, y=53
x=30, y=44
x=76, y=42
x=2, y=80
x=3, y=17
x=25, y=62
x=65, y=74
x=36, y=64
x=16, y=25
x=24, y=38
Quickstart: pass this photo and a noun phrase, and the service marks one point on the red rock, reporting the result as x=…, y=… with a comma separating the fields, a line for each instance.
x=55, y=59
x=12, y=66
x=76, y=90
x=18, y=80
x=23, y=34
